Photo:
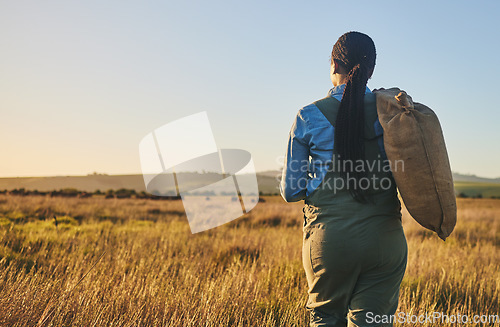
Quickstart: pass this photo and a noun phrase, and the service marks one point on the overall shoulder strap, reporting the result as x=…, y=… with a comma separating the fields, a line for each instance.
x=329, y=107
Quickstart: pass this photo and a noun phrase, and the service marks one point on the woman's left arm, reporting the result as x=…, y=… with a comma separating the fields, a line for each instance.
x=295, y=171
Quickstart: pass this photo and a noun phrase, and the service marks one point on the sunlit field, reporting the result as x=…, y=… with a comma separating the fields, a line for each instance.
x=134, y=262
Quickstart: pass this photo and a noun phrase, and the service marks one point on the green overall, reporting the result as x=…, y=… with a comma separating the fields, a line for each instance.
x=354, y=254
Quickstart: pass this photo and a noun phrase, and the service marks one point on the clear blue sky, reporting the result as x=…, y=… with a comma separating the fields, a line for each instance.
x=81, y=82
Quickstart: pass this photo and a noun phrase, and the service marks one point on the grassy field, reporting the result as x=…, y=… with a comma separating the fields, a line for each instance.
x=151, y=271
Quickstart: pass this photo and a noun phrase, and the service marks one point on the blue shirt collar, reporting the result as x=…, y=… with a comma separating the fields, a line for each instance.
x=338, y=91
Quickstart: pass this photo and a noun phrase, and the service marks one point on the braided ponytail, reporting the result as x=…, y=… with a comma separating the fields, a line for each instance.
x=356, y=53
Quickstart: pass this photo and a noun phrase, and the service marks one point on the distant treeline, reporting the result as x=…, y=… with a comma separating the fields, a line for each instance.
x=475, y=196
x=122, y=193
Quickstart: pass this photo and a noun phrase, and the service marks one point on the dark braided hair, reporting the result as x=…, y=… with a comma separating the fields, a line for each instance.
x=354, y=52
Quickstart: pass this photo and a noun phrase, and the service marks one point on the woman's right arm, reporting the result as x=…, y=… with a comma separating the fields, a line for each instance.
x=295, y=170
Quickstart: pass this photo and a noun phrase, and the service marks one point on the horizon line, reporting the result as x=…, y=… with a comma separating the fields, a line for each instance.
x=206, y=172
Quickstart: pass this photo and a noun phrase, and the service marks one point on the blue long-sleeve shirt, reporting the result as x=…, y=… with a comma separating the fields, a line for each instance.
x=310, y=150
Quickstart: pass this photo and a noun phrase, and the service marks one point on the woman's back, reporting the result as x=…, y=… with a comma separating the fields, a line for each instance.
x=334, y=192
x=312, y=172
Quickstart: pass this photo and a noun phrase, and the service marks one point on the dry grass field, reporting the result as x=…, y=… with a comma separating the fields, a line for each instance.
x=151, y=271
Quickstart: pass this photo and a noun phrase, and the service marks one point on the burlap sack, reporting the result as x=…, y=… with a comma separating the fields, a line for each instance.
x=415, y=147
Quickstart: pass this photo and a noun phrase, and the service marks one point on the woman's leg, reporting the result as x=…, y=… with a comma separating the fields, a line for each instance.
x=375, y=297
x=331, y=267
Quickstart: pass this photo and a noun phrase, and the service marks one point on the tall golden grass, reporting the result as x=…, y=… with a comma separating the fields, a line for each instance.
x=151, y=271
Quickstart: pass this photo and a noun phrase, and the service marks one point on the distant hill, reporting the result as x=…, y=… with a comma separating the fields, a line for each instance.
x=268, y=184
x=268, y=181
x=475, y=179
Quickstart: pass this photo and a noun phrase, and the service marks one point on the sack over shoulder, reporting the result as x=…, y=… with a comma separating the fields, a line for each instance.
x=415, y=147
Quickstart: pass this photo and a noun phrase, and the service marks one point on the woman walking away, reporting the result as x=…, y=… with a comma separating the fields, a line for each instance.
x=354, y=248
